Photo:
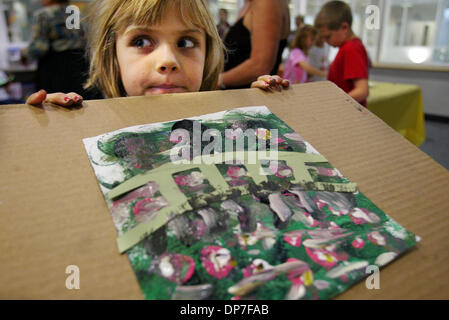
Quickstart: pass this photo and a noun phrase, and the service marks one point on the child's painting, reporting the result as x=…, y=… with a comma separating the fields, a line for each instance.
x=236, y=205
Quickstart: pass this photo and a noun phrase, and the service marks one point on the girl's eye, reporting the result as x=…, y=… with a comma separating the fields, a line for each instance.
x=141, y=43
x=186, y=43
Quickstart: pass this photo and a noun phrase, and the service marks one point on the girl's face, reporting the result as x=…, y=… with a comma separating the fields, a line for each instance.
x=164, y=58
x=310, y=41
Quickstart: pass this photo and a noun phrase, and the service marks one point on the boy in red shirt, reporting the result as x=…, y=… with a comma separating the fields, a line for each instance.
x=349, y=70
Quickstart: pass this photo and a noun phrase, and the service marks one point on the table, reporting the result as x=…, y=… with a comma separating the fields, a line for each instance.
x=401, y=107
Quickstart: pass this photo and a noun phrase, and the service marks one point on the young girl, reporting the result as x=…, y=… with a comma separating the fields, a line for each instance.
x=144, y=47
x=296, y=67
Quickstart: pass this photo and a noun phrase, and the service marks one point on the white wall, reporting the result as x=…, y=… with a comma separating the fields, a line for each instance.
x=3, y=39
x=434, y=86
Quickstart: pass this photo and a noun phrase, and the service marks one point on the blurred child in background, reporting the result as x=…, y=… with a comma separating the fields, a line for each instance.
x=349, y=70
x=297, y=66
x=319, y=58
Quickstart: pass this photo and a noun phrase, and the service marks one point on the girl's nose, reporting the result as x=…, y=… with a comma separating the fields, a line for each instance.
x=168, y=61
x=168, y=67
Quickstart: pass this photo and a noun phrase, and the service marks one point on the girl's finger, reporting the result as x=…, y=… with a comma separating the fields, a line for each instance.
x=60, y=99
x=261, y=84
x=285, y=83
x=37, y=97
x=267, y=78
x=277, y=79
x=75, y=97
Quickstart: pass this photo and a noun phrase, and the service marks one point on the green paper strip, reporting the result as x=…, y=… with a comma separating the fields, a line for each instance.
x=295, y=160
x=178, y=203
x=336, y=187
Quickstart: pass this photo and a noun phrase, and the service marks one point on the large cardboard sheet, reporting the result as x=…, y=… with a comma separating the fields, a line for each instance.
x=53, y=215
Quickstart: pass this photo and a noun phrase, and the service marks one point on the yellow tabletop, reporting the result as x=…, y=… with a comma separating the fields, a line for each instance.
x=401, y=107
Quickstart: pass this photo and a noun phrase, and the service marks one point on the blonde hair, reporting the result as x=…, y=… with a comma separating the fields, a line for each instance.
x=301, y=36
x=107, y=18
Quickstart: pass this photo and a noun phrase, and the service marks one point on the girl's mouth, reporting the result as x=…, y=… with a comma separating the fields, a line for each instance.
x=164, y=88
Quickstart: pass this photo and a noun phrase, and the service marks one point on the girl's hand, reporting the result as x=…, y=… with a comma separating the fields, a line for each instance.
x=270, y=83
x=59, y=98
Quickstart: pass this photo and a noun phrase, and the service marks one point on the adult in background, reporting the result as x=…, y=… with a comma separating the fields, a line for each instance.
x=299, y=22
x=255, y=42
x=59, y=51
x=223, y=25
